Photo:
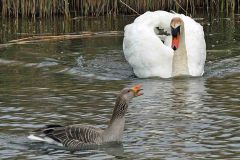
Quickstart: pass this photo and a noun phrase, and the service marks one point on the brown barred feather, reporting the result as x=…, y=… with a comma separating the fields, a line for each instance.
x=78, y=136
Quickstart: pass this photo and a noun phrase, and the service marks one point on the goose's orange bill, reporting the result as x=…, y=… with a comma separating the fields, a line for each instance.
x=136, y=90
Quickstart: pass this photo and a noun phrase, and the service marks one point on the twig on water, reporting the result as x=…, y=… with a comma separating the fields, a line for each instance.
x=43, y=38
x=129, y=7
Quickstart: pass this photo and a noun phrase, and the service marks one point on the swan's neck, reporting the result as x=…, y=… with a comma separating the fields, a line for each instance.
x=180, y=62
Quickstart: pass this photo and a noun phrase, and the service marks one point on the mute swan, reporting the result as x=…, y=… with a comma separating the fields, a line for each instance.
x=182, y=53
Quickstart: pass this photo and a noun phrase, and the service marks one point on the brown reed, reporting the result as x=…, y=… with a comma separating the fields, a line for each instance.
x=50, y=8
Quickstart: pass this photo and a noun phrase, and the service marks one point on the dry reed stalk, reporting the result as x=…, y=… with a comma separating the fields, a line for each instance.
x=42, y=38
x=129, y=7
x=50, y=8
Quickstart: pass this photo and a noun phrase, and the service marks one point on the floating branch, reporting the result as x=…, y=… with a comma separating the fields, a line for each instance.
x=42, y=38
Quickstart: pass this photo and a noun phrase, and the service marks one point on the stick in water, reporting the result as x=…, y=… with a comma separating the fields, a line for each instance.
x=129, y=7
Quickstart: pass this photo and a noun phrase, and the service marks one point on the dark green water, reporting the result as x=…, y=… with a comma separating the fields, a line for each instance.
x=76, y=81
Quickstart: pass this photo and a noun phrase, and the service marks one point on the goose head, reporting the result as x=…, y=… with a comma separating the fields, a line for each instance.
x=128, y=93
x=176, y=31
x=122, y=101
x=125, y=96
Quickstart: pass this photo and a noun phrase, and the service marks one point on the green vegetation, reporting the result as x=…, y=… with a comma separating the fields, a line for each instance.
x=49, y=8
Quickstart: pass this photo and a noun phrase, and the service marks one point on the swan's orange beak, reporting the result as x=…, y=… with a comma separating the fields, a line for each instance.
x=175, y=37
x=175, y=42
x=136, y=90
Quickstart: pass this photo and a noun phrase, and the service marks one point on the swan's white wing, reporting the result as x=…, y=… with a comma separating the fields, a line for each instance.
x=146, y=53
x=195, y=45
x=143, y=49
x=154, y=19
x=168, y=41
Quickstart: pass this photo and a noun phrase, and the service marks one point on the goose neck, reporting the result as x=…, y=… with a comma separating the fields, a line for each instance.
x=114, y=131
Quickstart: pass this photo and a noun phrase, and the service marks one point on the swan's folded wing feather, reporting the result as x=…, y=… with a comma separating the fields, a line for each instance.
x=145, y=52
x=159, y=19
x=195, y=45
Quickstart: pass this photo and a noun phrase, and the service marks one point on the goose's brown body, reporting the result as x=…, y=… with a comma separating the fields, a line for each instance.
x=78, y=136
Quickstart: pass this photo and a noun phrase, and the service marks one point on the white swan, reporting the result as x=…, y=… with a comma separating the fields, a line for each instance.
x=182, y=53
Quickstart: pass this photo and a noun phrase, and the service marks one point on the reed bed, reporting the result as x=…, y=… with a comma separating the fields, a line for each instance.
x=74, y=8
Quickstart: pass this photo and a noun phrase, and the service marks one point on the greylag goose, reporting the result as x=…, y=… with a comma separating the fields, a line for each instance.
x=78, y=136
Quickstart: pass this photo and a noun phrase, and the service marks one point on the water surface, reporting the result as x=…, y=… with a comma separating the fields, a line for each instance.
x=77, y=80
